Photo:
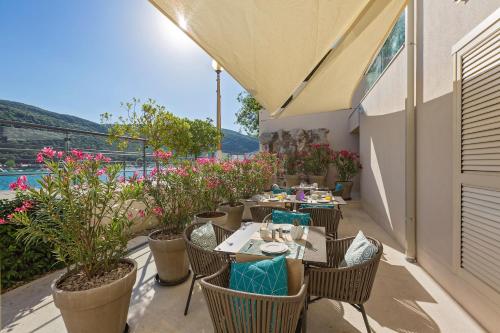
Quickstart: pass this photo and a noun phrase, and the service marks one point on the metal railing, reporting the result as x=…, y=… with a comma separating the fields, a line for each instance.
x=21, y=141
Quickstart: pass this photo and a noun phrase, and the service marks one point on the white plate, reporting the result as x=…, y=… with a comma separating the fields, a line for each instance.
x=272, y=199
x=274, y=248
x=323, y=201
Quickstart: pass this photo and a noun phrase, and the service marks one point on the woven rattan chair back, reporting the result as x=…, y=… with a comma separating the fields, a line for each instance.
x=325, y=217
x=259, y=212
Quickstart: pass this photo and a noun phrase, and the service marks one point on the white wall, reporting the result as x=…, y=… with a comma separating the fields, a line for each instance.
x=440, y=25
x=339, y=136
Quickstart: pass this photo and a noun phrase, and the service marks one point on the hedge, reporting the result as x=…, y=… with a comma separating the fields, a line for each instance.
x=19, y=262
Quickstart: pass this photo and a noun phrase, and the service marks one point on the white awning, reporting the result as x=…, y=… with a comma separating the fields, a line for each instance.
x=271, y=47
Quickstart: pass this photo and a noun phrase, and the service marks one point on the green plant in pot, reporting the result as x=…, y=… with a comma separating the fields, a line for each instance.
x=211, y=191
x=170, y=193
x=292, y=165
x=83, y=211
x=316, y=162
x=348, y=165
x=232, y=183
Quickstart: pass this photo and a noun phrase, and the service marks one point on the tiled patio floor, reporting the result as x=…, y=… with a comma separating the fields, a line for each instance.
x=404, y=299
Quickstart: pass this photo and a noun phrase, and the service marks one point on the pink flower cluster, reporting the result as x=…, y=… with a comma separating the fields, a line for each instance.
x=158, y=211
x=162, y=155
x=24, y=207
x=345, y=154
x=20, y=184
x=48, y=153
x=205, y=160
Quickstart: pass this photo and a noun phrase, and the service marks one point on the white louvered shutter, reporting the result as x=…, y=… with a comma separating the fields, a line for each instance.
x=477, y=96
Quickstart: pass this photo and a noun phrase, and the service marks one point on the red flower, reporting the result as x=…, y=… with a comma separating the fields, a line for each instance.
x=78, y=154
x=39, y=158
x=141, y=213
x=2, y=221
x=19, y=184
x=48, y=152
x=158, y=211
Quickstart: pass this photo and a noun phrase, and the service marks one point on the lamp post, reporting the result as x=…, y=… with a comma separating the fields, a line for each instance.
x=218, y=69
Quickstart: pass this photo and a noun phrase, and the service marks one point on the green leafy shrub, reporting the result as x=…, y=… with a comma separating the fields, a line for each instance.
x=18, y=261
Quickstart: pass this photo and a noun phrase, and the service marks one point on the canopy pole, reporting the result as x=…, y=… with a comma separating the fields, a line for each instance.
x=410, y=156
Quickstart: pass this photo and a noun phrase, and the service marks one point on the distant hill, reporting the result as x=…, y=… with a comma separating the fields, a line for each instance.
x=233, y=143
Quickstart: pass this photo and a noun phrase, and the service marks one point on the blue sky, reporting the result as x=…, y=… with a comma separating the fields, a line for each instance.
x=85, y=57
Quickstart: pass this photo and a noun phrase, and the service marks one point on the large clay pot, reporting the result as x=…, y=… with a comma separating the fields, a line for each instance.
x=234, y=214
x=320, y=180
x=171, y=260
x=292, y=180
x=219, y=218
x=346, y=194
x=102, y=309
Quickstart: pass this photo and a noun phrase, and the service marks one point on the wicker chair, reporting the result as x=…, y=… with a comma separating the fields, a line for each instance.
x=325, y=217
x=240, y=312
x=352, y=285
x=204, y=262
x=259, y=212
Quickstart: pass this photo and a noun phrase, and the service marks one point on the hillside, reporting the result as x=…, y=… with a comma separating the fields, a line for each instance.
x=233, y=142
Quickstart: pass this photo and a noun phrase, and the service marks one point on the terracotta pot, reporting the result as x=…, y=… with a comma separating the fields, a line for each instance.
x=346, y=194
x=292, y=180
x=102, y=309
x=234, y=214
x=320, y=180
x=171, y=260
x=219, y=218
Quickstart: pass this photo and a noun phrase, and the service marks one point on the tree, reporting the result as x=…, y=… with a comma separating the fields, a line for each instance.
x=10, y=163
x=248, y=114
x=153, y=122
x=204, y=137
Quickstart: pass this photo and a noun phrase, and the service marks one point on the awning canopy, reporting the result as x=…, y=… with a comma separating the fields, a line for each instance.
x=293, y=56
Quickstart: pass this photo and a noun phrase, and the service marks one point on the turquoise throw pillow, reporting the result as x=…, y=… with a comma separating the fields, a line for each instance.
x=317, y=206
x=339, y=187
x=360, y=251
x=281, y=190
x=281, y=217
x=266, y=277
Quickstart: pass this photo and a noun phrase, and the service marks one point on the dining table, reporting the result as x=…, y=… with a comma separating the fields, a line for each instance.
x=245, y=245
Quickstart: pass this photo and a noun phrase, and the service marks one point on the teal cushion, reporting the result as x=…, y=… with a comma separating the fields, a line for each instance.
x=281, y=217
x=266, y=277
x=339, y=187
x=317, y=206
x=204, y=237
x=360, y=251
x=281, y=190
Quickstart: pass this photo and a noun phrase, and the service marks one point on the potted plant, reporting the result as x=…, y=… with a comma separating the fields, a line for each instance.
x=210, y=191
x=271, y=162
x=316, y=162
x=83, y=211
x=232, y=191
x=170, y=193
x=347, y=165
x=290, y=162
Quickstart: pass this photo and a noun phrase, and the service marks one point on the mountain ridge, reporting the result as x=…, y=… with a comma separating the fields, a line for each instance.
x=233, y=142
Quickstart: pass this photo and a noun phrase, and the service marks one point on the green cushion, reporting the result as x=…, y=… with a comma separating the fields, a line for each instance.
x=360, y=251
x=280, y=217
x=281, y=190
x=317, y=206
x=204, y=237
x=266, y=277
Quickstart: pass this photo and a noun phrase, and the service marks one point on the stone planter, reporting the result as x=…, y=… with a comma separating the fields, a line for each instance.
x=99, y=310
x=171, y=260
x=320, y=180
x=219, y=218
x=292, y=180
x=234, y=214
x=346, y=194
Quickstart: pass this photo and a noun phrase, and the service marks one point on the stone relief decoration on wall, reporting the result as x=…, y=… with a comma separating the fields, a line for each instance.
x=292, y=141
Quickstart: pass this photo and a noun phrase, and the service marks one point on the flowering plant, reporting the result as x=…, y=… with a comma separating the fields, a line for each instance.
x=317, y=159
x=170, y=193
x=211, y=189
x=347, y=164
x=82, y=210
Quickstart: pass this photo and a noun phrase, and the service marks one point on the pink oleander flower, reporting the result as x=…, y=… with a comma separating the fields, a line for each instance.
x=162, y=155
x=78, y=154
x=48, y=152
x=121, y=179
x=227, y=166
x=2, y=221
x=158, y=211
x=141, y=213
x=101, y=172
x=153, y=172
x=20, y=184
x=88, y=157
x=10, y=216
x=25, y=206
x=39, y=158
x=101, y=157
x=130, y=216
x=60, y=154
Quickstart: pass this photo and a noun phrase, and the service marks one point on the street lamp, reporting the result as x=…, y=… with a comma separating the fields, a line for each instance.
x=218, y=69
